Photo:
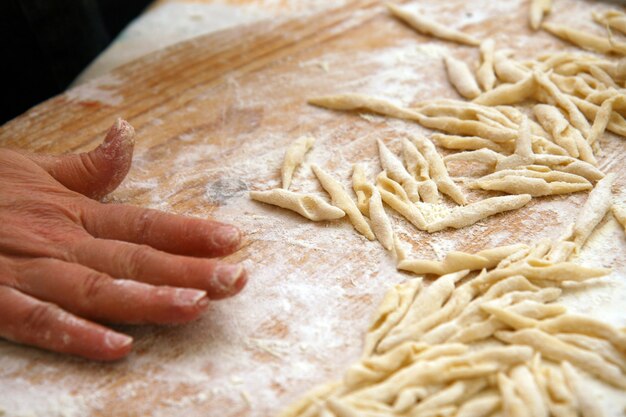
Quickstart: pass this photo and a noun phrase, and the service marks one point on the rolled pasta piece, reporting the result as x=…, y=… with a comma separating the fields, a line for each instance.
x=509, y=93
x=461, y=77
x=472, y=213
x=614, y=19
x=538, y=9
x=371, y=205
x=429, y=27
x=392, y=309
x=341, y=199
x=468, y=143
x=533, y=182
x=454, y=261
x=481, y=405
x=586, y=40
x=396, y=171
x=597, y=205
x=588, y=405
x=616, y=124
x=593, y=344
x=512, y=404
x=619, y=211
x=552, y=348
x=418, y=167
x=351, y=101
x=294, y=157
x=438, y=170
x=395, y=197
x=362, y=189
x=569, y=165
x=486, y=75
x=523, y=154
x=442, y=370
x=507, y=69
x=540, y=270
x=307, y=205
x=573, y=323
x=557, y=125
x=528, y=390
x=601, y=121
x=457, y=261
x=576, y=118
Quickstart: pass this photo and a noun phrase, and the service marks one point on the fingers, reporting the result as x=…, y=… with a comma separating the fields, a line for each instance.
x=24, y=319
x=98, y=172
x=167, y=232
x=97, y=296
x=145, y=264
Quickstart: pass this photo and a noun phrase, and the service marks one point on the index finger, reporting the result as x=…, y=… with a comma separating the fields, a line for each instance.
x=167, y=232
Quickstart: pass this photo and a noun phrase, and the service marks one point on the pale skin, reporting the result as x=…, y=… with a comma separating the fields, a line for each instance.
x=69, y=262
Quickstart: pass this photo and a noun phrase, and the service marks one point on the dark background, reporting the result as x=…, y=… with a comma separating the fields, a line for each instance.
x=45, y=44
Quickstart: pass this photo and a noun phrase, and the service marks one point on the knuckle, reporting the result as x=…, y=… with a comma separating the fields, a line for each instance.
x=137, y=259
x=92, y=284
x=40, y=317
x=145, y=224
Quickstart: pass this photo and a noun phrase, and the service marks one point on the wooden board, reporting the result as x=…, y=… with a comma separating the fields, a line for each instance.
x=213, y=117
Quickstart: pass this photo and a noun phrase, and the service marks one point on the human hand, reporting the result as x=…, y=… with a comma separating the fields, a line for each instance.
x=63, y=254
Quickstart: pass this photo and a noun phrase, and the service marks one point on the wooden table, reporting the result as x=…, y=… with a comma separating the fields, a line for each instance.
x=213, y=117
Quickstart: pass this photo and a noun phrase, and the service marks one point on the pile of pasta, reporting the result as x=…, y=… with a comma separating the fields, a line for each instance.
x=486, y=338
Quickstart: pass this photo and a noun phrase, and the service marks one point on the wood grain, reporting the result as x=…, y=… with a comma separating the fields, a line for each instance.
x=213, y=117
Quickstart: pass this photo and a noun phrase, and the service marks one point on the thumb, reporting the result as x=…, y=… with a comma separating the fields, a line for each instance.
x=98, y=172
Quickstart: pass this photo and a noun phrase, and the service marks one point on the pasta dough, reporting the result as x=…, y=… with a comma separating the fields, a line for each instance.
x=342, y=200
x=586, y=40
x=371, y=205
x=307, y=205
x=486, y=75
x=470, y=214
x=619, y=211
x=294, y=157
x=595, y=208
x=538, y=9
x=429, y=27
x=461, y=77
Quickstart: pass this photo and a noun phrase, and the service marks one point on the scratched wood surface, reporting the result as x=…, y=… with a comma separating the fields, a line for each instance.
x=213, y=117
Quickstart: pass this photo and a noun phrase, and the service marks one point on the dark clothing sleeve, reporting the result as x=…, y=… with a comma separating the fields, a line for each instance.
x=45, y=44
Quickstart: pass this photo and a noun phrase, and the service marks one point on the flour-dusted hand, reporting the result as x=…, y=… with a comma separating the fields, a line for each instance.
x=66, y=259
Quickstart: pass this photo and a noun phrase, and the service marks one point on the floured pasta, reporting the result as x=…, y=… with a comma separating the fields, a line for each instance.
x=534, y=180
x=457, y=261
x=307, y=205
x=619, y=211
x=595, y=208
x=613, y=19
x=396, y=171
x=370, y=203
x=418, y=167
x=586, y=40
x=342, y=199
x=470, y=214
x=461, y=77
x=438, y=170
x=395, y=197
x=294, y=157
x=538, y=9
x=430, y=27
x=352, y=101
x=485, y=75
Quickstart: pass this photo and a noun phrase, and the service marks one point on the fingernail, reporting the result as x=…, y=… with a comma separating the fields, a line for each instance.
x=186, y=297
x=227, y=236
x=227, y=275
x=116, y=341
